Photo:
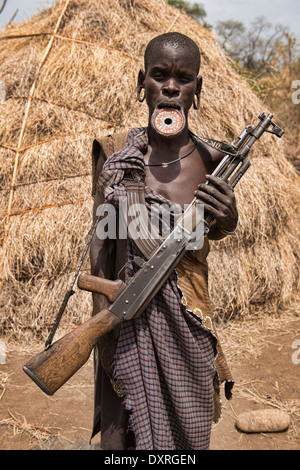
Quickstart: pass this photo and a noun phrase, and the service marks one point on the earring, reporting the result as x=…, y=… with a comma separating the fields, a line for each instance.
x=196, y=104
x=139, y=95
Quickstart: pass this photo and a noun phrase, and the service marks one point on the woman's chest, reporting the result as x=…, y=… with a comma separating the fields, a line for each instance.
x=177, y=182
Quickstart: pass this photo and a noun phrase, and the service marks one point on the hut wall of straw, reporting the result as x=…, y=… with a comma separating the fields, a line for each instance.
x=70, y=76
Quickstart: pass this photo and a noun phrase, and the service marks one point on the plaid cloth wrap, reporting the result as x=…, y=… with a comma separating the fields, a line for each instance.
x=164, y=361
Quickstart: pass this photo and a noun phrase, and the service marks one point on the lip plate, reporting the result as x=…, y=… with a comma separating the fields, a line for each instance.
x=177, y=121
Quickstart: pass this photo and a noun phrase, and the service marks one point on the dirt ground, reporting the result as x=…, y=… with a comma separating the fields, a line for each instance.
x=264, y=355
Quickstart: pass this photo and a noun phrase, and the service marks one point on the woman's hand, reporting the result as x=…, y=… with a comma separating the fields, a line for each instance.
x=219, y=201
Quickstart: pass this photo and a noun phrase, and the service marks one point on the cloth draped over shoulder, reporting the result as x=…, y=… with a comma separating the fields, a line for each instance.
x=168, y=364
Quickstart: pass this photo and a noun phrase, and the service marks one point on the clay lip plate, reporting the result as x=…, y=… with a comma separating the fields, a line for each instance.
x=168, y=121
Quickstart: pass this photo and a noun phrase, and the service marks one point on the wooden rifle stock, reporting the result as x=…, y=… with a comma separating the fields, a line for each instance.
x=51, y=368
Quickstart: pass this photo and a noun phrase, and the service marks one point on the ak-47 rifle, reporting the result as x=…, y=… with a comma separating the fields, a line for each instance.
x=56, y=364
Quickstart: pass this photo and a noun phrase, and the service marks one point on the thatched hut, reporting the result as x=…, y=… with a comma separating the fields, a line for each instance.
x=70, y=76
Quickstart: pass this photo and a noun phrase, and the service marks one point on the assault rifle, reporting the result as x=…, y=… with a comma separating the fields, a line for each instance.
x=56, y=364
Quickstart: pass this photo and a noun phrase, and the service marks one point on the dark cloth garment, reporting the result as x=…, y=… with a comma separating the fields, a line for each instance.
x=115, y=434
x=163, y=366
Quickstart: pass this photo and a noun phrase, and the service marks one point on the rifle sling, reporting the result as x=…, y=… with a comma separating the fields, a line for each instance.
x=146, y=243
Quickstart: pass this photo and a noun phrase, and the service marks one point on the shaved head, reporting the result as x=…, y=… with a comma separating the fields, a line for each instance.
x=176, y=41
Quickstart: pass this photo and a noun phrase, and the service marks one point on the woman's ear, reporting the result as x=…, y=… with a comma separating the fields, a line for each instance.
x=140, y=85
x=196, y=103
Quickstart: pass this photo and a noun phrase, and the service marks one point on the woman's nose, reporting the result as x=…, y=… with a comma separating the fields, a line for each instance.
x=171, y=87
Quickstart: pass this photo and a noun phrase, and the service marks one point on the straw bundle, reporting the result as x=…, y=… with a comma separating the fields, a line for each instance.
x=70, y=75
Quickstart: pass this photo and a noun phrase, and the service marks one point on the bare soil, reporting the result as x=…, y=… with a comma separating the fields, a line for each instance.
x=260, y=353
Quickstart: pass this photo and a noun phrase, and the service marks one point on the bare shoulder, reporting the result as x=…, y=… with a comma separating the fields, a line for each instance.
x=210, y=155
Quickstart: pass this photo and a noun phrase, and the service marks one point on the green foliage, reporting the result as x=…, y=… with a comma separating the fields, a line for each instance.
x=268, y=58
x=195, y=10
x=260, y=49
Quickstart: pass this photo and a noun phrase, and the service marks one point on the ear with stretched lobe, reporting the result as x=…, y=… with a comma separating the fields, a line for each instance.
x=140, y=86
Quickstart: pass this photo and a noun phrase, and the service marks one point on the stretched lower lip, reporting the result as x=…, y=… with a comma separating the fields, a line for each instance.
x=169, y=105
x=168, y=121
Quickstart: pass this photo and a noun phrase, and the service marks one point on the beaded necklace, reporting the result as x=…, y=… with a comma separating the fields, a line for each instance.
x=166, y=164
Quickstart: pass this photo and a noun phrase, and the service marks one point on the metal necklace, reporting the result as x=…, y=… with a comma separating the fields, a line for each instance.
x=166, y=164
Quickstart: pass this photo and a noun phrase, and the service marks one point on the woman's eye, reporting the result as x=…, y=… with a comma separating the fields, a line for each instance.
x=185, y=79
x=159, y=76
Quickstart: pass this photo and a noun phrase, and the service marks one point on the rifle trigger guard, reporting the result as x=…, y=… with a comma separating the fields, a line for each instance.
x=137, y=260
